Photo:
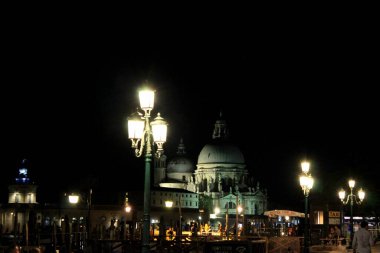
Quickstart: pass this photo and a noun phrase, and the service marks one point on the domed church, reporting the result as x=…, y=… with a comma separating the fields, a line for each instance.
x=220, y=176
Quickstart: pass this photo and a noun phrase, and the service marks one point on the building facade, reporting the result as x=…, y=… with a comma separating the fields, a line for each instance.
x=220, y=177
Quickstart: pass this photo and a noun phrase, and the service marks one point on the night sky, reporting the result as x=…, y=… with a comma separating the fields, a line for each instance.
x=65, y=97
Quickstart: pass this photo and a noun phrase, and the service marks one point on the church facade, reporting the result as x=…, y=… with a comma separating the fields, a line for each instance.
x=220, y=177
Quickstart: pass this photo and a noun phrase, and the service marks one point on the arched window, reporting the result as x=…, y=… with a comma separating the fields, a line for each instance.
x=230, y=205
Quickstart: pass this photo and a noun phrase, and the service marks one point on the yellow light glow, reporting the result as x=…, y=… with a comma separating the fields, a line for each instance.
x=351, y=183
x=73, y=199
x=217, y=210
x=306, y=182
x=342, y=194
x=305, y=166
x=159, y=129
x=128, y=209
x=135, y=127
x=169, y=203
x=146, y=99
x=361, y=194
x=240, y=209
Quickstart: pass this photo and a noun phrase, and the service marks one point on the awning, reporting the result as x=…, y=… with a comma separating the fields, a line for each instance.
x=274, y=213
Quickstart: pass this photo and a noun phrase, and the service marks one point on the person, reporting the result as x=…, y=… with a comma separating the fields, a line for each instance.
x=220, y=229
x=170, y=233
x=193, y=229
x=338, y=233
x=332, y=236
x=363, y=240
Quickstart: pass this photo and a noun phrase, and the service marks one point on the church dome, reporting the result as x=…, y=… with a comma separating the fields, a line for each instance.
x=180, y=163
x=220, y=153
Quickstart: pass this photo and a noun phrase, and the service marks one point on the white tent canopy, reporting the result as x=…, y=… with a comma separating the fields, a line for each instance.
x=274, y=213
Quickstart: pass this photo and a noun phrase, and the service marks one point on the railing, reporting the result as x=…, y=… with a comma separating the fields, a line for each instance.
x=78, y=241
x=375, y=233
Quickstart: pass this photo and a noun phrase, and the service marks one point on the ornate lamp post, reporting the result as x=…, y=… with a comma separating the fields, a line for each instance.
x=351, y=198
x=127, y=206
x=74, y=199
x=306, y=182
x=144, y=134
x=169, y=204
x=239, y=209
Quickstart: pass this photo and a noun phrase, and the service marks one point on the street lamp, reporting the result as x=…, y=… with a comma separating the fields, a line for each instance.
x=351, y=198
x=169, y=204
x=128, y=207
x=74, y=199
x=142, y=132
x=306, y=183
x=239, y=209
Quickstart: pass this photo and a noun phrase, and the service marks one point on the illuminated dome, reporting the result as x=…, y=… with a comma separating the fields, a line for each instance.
x=180, y=163
x=220, y=153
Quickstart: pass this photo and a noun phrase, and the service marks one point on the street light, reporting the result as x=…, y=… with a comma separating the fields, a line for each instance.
x=169, y=204
x=74, y=199
x=128, y=207
x=306, y=183
x=351, y=198
x=142, y=132
x=239, y=209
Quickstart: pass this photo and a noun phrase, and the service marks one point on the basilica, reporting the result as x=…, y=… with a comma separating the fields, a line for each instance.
x=220, y=177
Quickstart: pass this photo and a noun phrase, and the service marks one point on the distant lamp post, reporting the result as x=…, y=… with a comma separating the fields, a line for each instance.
x=351, y=198
x=306, y=183
x=128, y=207
x=74, y=199
x=143, y=135
x=169, y=204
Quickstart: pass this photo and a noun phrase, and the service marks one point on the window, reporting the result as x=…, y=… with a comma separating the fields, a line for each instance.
x=230, y=205
x=17, y=198
x=318, y=217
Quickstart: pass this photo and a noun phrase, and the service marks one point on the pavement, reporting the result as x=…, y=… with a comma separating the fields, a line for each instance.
x=374, y=249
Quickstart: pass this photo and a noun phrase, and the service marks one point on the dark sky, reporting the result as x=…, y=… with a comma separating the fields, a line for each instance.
x=285, y=94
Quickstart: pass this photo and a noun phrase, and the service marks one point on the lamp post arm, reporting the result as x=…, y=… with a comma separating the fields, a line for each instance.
x=180, y=219
x=358, y=202
x=345, y=202
x=89, y=202
x=146, y=140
